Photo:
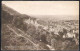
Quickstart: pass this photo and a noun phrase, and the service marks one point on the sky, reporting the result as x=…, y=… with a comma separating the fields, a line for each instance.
x=45, y=7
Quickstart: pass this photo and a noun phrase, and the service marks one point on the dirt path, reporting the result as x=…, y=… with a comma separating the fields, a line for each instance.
x=19, y=32
x=35, y=45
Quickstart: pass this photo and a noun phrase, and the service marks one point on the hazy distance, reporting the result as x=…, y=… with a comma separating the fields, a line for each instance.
x=52, y=8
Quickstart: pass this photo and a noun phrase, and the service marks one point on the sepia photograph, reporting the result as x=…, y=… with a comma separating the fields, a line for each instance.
x=40, y=25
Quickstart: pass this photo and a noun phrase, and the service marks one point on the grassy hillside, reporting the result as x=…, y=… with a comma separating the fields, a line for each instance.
x=18, y=35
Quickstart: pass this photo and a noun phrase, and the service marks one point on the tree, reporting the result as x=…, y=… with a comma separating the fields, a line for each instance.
x=64, y=31
x=43, y=38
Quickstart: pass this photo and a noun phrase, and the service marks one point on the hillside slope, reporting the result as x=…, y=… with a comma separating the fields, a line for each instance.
x=23, y=32
x=17, y=34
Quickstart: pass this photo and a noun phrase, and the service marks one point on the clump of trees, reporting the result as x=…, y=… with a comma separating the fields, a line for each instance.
x=6, y=17
x=20, y=24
